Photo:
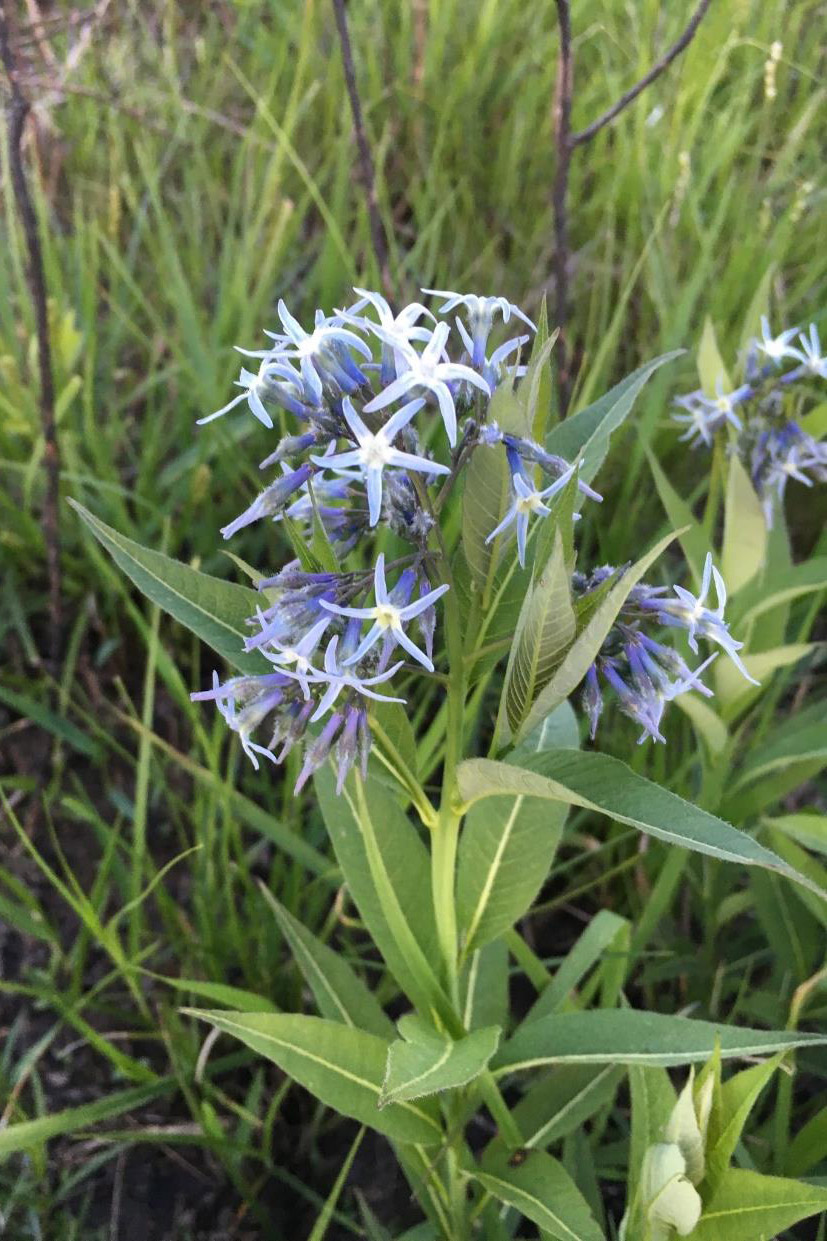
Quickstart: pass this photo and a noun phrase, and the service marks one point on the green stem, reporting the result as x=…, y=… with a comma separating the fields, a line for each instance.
x=497, y=1106
x=443, y=873
x=446, y=830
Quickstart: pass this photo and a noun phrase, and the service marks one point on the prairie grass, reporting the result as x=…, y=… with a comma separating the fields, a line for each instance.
x=201, y=164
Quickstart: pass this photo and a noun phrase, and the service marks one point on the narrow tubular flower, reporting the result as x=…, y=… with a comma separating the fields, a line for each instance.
x=389, y=613
x=427, y=371
x=376, y=451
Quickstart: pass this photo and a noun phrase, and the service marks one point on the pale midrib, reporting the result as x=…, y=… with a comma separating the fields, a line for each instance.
x=468, y=1014
x=519, y=1192
x=536, y=1138
x=485, y=894
x=122, y=550
x=665, y=1059
x=232, y=1026
x=302, y=950
x=413, y=1082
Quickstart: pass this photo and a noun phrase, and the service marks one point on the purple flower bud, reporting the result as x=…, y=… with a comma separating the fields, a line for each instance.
x=290, y=446
x=271, y=500
x=318, y=750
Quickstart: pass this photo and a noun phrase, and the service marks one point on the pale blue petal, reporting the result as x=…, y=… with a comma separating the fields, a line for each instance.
x=412, y=649
x=373, y=479
x=420, y=605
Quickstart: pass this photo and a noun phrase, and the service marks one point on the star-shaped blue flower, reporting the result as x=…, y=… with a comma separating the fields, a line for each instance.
x=376, y=451
x=337, y=678
x=528, y=500
x=427, y=370
x=481, y=311
x=690, y=612
x=389, y=613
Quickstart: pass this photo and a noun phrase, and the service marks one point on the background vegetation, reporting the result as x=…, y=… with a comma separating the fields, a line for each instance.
x=198, y=164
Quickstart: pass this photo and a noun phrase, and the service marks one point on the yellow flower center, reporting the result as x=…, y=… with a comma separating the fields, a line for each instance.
x=386, y=615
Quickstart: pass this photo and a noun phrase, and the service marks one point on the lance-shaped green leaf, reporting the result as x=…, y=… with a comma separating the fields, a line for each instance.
x=237, y=998
x=605, y=784
x=484, y=987
x=738, y=1097
x=545, y=629
x=341, y=1066
x=563, y=1100
x=393, y=733
x=759, y=305
x=747, y=1206
x=505, y=851
x=588, y=642
x=387, y=871
x=808, y=828
x=587, y=433
x=744, y=548
x=536, y=387
x=628, y=1036
x=802, y=737
x=707, y=723
x=780, y=588
x=540, y=1188
x=33, y=1133
x=808, y=1147
x=424, y=1062
x=215, y=610
x=559, y=730
x=339, y=993
x=735, y=692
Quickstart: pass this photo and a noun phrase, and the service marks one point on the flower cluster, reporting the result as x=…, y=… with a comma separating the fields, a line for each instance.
x=772, y=445
x=644, y=673
x=378, y=398
x=388, y=414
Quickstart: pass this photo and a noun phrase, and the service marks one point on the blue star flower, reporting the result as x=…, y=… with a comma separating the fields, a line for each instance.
x=426, y=371
x=376, y=451
x=481, y=311
x=810, y=353
x=337, y=678
x=776, y=348
x=527, y=500
x=691, y=613
x=389, y=613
